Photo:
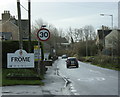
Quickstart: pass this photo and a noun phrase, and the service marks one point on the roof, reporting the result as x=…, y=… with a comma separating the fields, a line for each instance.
x=103, y=33
x=113, y=33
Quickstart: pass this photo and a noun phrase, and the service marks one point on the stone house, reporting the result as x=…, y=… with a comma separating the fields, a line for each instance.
x=107, y=40
x=112, y=41
x=101, y=36
x=10, y=24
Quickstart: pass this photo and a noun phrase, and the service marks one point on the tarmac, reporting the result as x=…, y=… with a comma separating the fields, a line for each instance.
x=54, y=85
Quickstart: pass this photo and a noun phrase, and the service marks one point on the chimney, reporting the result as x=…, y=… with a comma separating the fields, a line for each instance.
x=5, y=15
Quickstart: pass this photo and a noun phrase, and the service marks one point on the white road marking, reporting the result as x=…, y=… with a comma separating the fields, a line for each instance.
x=95, y=71
x=71, y=85
x=91, y=79
x=85, y=79
x=73, y=90
x=114, y=77
x=76, y=94
x=100, y=78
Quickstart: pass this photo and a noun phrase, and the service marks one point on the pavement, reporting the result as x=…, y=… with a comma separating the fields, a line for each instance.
x=54, y=85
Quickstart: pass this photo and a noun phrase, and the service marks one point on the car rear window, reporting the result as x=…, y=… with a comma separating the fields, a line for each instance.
x=72, y=59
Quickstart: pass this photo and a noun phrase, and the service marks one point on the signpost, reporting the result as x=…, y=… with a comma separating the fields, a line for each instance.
x=43, y=35
x=20, y=59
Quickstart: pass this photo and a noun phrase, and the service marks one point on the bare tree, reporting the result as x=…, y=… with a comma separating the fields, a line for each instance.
x=89, y=34
x=70, y=34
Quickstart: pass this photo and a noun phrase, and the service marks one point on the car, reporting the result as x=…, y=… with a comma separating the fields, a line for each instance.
x=64, y=56
x=72, y=61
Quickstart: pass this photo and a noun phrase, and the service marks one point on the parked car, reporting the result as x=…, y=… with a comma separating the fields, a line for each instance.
x=64, y=56
x=72, y=61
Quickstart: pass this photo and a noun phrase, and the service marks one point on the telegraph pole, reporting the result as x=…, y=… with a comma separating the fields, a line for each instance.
x=29, y=22
x=19, y=25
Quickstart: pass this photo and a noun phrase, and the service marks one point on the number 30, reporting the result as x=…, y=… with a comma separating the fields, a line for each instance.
x=43, y=34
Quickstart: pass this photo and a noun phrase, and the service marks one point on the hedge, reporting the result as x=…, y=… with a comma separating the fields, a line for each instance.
x=12, y=46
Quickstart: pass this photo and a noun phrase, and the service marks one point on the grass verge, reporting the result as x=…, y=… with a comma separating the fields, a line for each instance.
x=0, y=77
x=103, y=61
x=19, y=73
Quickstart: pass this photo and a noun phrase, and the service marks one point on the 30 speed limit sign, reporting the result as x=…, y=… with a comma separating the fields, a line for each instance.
x=43, y=34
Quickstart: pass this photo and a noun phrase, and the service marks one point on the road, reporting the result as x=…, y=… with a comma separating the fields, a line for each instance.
x=89, y=79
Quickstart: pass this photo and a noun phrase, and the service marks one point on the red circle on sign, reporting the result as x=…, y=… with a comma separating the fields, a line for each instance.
x=43, y=34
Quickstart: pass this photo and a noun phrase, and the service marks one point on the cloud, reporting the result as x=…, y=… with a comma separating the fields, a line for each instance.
x=77, y=21
x=75, y=0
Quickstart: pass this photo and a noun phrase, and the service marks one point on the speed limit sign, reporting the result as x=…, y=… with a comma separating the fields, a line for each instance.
x=43, y=34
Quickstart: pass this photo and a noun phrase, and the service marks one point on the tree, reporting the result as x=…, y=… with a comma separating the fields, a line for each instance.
x=55, y=34
x=78, y=34
x=70, y=35
x=89, y=34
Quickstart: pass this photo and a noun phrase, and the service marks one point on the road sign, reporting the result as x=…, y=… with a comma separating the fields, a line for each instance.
x=20, y=59
x=43, y=34
x=37, y=53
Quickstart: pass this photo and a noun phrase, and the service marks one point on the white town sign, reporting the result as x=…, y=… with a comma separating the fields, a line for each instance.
x=20, y=59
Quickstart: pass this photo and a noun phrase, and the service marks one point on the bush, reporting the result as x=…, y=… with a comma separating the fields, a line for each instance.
x=89, y=59
x=106, y=62
x=102, y=60
x=81, y=59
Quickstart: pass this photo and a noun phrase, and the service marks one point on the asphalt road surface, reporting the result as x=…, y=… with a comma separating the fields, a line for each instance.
x=89, y=79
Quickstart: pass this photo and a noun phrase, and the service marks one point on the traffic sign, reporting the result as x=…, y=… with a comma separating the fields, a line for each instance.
x=43, y=34
x=37, y=53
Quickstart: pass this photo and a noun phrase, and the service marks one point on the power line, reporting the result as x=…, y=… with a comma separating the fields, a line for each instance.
x=23, y=7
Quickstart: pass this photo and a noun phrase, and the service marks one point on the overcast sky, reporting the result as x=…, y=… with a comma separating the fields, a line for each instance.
x=67, y=13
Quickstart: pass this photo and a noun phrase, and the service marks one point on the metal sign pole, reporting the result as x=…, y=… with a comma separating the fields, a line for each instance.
x=38, y=57
x=42, y=59
x=29, y=22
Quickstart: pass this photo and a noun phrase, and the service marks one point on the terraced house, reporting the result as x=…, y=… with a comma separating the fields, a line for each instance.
x=9, y=27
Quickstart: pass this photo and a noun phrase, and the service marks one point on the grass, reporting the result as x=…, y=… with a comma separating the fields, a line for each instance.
x=0, y=77
x=20, y=73
x=109, y=66
x=103, y=61
x=106, y=62
x=6, y=82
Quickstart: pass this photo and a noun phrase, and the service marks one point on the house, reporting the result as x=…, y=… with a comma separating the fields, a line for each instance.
x=112, y=41
x=107, y=41
x=101, y=36
x=10, y=24
x=5, y=35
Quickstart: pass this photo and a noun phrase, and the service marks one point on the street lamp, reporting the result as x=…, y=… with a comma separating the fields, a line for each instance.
x=111, y=18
